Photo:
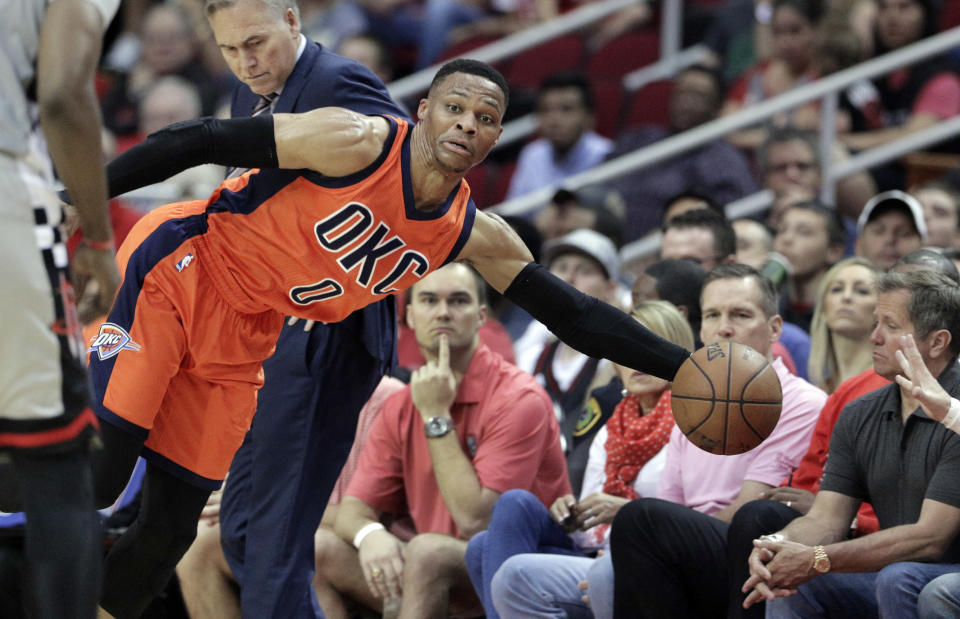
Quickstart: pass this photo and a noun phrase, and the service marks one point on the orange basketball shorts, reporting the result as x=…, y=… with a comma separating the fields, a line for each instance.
x=175, y=364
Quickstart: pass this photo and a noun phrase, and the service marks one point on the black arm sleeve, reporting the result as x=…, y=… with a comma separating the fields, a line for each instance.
x=592, y=326
x=238, y=142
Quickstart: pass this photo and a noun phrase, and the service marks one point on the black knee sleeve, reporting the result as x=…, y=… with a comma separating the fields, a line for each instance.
x=143, y=560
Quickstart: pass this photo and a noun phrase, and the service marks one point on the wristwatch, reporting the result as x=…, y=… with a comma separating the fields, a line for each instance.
x=821, y=562
x=435, y=427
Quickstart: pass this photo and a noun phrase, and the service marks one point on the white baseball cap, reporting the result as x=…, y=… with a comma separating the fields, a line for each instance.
x=894, y=199
x=589, y=243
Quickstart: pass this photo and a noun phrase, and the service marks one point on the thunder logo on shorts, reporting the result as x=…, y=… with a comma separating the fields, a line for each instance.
x=110, y=340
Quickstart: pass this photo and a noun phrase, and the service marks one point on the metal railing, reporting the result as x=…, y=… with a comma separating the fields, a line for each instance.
x=825, y=88
x=511, y=45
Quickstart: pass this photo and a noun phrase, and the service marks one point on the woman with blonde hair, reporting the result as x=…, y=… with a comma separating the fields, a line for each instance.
x=626, y=458
x=840, y=345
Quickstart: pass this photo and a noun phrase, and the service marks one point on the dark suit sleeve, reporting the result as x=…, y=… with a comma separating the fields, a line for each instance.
x=358, y=89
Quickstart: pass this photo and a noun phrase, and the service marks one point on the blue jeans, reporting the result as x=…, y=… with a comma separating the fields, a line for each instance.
x=532, y=586
x=891, y=592
x=519, y=524
x=940, y=599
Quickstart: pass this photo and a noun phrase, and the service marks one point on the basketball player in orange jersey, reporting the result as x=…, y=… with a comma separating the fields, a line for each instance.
x=364, y=207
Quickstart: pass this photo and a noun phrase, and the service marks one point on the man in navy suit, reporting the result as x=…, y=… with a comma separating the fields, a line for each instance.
x=321, y=375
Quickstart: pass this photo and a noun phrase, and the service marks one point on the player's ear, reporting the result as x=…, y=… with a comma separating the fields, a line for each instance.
x=422, y=109
x=482, y=312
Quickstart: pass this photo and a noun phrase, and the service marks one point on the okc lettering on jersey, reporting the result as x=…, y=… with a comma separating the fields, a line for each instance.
x=361, y=243
x=110, y=340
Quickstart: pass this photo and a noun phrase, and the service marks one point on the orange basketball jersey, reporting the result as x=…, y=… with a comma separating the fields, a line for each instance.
x=318, y=247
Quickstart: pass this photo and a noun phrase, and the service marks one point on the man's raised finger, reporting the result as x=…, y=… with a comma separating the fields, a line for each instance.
x=443, y=357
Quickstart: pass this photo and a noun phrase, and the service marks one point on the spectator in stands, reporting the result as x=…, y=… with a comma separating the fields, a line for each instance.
x=410, y=354
x=811, y=237
x=790, y=166
x=702, y=236
x=593, y=207
x=660, y=545
x=689, y=200
x=207, y=584
x=792, y=64
x=567, y=142
x=169, y=100
x=912, y=98
x=739, y=36
x=928, y=260
x=469, y=428
x=170, y=47
x=842, y=320
x=676, y=281
x=589, y=262
x=941, y=212
x=795, y=496
x=695, y=99
x=626, y=458
x=370, y=52
x=706, y=237
x=890, y=227
x=754, y=242
x=887, y=450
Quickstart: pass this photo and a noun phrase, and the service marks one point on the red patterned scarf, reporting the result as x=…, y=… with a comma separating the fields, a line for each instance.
x=632, y=440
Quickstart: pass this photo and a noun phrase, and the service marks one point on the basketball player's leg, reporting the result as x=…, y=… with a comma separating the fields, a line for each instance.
x=46, y=425
x=63, y=534
x=142, y=561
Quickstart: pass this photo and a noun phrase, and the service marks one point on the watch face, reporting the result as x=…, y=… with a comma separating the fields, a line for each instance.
x=437, y=427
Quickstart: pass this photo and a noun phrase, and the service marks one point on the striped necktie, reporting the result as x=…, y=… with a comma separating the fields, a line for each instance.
x=264, y=103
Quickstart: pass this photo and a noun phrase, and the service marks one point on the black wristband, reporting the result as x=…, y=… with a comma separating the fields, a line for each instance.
x=238, y=142
x=591, y=326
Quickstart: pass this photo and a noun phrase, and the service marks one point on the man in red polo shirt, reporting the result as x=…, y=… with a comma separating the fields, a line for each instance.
x=470, y=427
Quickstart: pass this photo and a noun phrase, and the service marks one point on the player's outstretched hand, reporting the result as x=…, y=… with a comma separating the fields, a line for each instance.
x=917, y=380
x=97, y=280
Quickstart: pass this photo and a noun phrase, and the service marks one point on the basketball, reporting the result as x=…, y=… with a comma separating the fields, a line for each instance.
x=726, y=398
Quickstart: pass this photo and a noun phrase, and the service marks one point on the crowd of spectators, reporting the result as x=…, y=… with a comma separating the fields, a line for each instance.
x=552, y=457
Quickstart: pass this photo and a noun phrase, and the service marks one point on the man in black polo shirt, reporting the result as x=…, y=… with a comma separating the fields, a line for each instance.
x=886, y=450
